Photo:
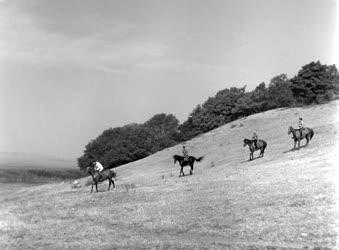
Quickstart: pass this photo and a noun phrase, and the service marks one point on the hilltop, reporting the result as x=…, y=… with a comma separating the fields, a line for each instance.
x=315, y=83
x=223, y=147
x=286, y=200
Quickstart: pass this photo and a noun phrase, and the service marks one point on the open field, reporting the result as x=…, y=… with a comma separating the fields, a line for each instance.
x=286, y=200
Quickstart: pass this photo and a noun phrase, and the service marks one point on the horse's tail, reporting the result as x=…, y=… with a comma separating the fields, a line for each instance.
x=265, y=144
x=311, y=133
x=199, y=159
x=111, y=173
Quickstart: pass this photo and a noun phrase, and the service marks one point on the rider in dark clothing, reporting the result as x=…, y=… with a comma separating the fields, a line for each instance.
x=185, y=153
x=255, y=139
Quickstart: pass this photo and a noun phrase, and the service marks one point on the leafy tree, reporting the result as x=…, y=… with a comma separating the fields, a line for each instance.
x=279, y=92
x=165, y=127
x=215, y=112
x=315, y=83
x=117, y=146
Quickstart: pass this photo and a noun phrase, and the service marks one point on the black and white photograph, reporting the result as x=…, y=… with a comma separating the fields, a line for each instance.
x=169, y=124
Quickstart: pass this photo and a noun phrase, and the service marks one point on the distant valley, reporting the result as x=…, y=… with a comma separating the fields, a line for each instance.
x=35, y=168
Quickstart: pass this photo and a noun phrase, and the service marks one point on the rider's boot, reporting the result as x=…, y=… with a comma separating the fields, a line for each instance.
x=100, y=174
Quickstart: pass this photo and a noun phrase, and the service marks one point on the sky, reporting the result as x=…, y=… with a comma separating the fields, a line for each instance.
x=70, y=69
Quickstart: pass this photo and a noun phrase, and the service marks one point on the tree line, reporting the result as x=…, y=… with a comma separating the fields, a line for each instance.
x=315, y=83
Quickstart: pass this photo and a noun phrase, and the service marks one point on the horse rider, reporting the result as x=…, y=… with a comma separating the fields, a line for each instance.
x=185, y=153
x=98, y=167
x=301, y=125
x=255, y=139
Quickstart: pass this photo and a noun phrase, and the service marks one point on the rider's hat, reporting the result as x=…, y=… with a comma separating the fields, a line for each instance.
x=300, y=118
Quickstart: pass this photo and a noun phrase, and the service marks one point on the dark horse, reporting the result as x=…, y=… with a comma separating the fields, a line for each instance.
x=261, y=145
x=307, y=133
x=106, y=174
x=183, y=163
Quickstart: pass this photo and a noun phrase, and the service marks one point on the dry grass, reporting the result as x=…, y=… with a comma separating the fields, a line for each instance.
x=286, y=200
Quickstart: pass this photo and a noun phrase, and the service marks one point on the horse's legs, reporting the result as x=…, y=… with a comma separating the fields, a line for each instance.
x=307, y=139
x=191, y=171
x=113, y=183
x=109, y=183
x=295, y=143
x=96, y=186
x=299, y=143
x=92, y=187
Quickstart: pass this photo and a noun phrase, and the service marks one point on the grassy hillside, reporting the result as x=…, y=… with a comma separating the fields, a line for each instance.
x=286, y=200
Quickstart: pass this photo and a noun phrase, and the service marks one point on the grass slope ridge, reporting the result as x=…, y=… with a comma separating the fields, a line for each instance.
x=286, y=200
x=224, y=146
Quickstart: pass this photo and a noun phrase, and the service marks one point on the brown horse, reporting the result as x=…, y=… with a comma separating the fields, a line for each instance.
x=261, y=145
x=183, y=162
x=297, y=135
x=106, y=174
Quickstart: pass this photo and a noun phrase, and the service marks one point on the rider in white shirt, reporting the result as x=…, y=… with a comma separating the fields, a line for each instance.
x=98, y=167
x=301, y=125
x=185, y=153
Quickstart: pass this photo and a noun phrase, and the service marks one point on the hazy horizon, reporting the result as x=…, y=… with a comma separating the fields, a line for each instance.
x=71, y=69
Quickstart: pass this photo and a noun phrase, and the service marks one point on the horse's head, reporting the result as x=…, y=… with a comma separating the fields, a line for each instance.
x=90, y=170
x=289, y=130
x=245, y=142
x=175, y=157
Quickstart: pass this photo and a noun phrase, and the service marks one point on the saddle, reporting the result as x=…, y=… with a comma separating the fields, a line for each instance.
x=186, y=159
x=99, y=174
x=302, y=131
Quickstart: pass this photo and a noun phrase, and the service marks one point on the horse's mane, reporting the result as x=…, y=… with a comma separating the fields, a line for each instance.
x=177, y=156
x=248, y=140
